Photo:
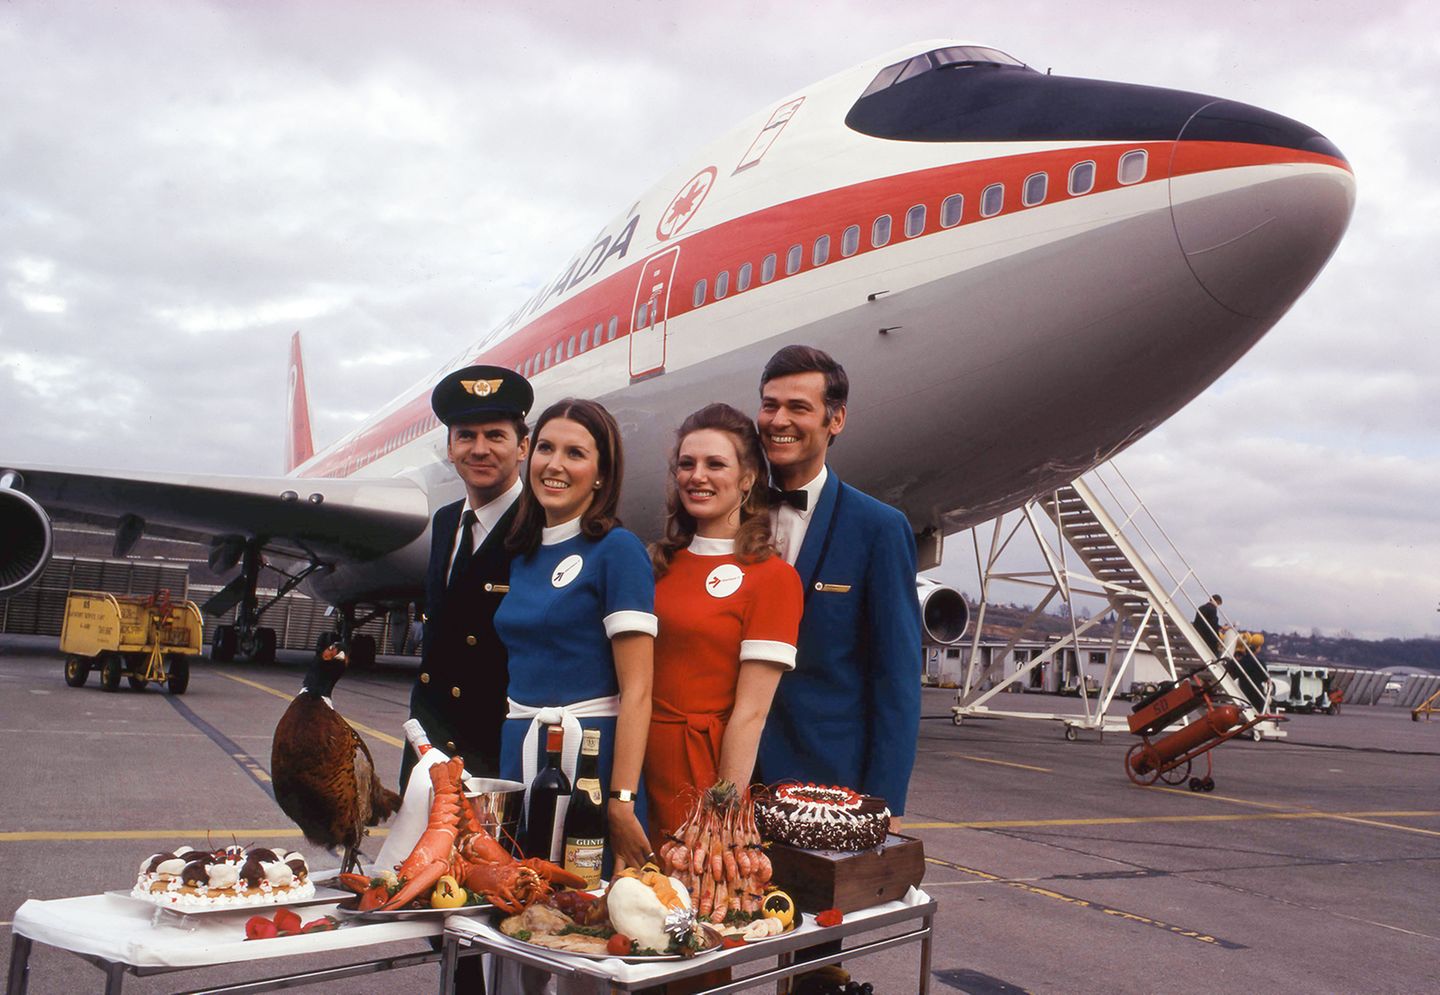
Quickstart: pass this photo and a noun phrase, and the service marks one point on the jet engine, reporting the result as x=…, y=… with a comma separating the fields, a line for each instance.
x=944, y=615
x=26, y=538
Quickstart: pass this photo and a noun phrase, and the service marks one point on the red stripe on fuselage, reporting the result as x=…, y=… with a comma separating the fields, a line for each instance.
x=727, y=245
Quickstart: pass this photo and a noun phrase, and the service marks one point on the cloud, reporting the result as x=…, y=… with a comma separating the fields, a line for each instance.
x=184, y=185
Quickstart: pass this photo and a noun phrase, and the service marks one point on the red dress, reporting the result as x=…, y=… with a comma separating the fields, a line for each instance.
x=714, y=611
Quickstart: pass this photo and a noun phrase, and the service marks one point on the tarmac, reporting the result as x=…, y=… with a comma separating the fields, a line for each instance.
x=1314, y=865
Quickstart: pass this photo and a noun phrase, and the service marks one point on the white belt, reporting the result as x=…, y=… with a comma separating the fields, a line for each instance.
x=568, y=718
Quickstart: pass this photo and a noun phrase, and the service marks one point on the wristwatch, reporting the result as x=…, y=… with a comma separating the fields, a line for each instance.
x=622, y=795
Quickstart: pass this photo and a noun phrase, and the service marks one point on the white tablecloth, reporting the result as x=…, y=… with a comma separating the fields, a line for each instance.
x=627, y=972
x=129, y=932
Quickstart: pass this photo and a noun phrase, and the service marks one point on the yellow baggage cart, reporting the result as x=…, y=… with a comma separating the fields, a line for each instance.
x=144, y=639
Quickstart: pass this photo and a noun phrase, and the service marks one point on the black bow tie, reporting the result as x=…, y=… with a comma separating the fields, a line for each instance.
x=798, y=499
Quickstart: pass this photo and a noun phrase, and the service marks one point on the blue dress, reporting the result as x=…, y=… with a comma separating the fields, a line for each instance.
x=567, y=600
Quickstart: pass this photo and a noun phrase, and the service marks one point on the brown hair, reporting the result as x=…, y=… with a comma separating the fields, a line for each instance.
x=601, y=516
x=795, y=359
x=752, y=542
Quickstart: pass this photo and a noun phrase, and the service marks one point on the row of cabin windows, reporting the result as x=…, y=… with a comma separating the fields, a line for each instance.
x=409, y=434
x=566, y=349
x=1033, y=191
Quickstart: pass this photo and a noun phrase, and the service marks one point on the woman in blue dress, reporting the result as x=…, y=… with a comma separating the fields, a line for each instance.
x=579, y=620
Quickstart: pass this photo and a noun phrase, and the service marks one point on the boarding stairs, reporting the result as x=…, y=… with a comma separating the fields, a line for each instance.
x=1099, y=539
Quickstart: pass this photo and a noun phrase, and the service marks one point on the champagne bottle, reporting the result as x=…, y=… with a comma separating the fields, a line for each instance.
x=415, y=733
x=542, y=831
x=585, y=821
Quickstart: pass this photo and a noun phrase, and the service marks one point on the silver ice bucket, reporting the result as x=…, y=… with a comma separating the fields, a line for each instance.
x=498, y=805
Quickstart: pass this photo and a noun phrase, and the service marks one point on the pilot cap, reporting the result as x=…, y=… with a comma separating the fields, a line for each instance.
x=481, y=393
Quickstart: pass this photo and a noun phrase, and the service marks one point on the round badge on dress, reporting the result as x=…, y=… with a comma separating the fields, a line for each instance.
x=566, y=570
x=724, y=580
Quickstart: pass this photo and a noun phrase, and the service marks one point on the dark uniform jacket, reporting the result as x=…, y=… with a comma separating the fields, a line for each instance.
x=459, y=696
x=1207, y=622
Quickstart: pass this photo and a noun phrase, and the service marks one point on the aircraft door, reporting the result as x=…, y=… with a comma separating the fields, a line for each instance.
x=648, y=317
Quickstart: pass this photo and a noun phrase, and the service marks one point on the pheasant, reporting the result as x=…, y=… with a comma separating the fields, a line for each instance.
x=322, y=771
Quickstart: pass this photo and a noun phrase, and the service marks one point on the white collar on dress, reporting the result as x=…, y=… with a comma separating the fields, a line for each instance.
x=553, y=535
x=706, y=546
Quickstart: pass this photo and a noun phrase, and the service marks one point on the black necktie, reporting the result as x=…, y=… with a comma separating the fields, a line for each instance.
x=466, y=549
x=799, y=500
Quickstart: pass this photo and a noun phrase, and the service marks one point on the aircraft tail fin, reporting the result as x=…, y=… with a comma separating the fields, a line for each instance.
x=298, y=444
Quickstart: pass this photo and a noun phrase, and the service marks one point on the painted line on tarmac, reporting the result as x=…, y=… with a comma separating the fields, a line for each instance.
x=998, y=763
x=244, y=760
x=1082, y=903
x=75, y=836
x=1130, y=820
x=1357, y=818
x=384, y=737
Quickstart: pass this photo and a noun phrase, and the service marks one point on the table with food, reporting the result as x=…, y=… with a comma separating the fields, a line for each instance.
x=748, y=876
x=714, y=899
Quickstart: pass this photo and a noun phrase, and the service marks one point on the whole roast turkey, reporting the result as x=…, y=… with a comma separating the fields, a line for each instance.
x=322, y=771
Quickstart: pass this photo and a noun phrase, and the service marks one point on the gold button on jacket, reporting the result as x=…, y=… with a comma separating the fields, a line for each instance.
x=424, y=678
x=454, y=692
x=469, y=640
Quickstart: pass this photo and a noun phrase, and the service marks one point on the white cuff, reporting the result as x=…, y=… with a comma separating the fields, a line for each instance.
x=630, y=621
x=768, y=650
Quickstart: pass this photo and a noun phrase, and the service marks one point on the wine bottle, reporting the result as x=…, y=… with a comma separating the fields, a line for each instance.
x=542, y=831
x=585, y=821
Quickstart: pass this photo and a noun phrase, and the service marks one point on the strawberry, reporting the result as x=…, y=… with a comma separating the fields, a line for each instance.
x=286, y=921
x=322, y=925
x=619, y=945
x=260, y=928
x=830, y=917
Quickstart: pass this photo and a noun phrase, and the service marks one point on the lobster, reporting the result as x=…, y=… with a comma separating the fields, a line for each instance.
x=456, y=843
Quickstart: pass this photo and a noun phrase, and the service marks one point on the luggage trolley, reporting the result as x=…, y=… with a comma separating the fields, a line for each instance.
x=1168, y=758
x=143, y=639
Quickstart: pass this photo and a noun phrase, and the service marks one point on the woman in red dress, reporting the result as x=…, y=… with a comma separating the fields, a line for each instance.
x=729, y=611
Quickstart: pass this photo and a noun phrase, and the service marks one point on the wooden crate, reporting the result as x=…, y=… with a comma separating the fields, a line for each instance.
x=831, y=879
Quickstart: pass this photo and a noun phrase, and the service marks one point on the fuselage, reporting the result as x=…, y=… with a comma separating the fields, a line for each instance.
x=1022, y=274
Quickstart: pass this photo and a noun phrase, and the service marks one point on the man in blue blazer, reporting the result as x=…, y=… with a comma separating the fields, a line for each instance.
x=459, y=693
x=849, y=714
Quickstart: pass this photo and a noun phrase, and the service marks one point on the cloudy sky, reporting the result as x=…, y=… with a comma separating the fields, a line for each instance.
x=183, y=184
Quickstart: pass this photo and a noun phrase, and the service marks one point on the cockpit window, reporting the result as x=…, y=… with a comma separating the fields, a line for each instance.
x=972, y=55
x=954, y=57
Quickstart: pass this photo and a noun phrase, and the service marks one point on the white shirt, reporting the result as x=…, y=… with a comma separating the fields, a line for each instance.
x=788, y=523
x=486, y=518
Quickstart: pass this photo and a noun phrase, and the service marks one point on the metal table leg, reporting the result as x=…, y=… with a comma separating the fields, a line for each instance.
x=114, y=977
x=19, y=965
x=450, y=956
x=928, y=924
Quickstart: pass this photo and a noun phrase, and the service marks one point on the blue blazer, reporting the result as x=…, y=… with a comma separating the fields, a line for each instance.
x=849, y=713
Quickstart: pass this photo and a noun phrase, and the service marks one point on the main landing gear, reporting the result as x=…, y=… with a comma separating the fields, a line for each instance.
x=246, y=638
x=360, y=647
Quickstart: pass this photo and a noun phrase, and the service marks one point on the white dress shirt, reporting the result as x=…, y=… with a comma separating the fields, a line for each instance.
x=486, y=518
x=788, y=523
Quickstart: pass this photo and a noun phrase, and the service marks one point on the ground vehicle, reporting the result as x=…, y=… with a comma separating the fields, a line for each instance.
x=140, y=638
x=1302, y=689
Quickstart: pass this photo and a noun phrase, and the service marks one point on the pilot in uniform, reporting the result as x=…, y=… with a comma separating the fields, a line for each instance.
x=459, y=695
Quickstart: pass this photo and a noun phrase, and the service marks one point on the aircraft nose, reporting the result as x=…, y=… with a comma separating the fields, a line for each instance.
x=1256, y=233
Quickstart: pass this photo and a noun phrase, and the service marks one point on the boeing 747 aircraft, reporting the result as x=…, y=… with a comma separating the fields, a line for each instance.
x=1022, y=273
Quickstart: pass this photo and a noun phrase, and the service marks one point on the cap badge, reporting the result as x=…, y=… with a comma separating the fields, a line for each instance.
x=481, y=388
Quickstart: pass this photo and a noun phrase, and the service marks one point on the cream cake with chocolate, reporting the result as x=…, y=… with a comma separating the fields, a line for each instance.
x=233, y=876
x=816, y=817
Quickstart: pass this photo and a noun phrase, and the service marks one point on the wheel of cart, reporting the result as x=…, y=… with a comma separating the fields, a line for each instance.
x=112, y=666
x=140, y=639
x=77, y=669
x=179, y=668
